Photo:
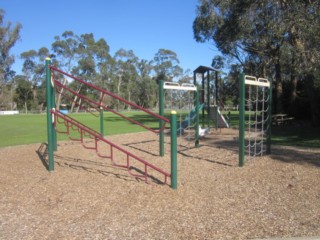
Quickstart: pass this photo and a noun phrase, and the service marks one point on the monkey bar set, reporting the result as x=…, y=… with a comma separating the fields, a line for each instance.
x=55, y=117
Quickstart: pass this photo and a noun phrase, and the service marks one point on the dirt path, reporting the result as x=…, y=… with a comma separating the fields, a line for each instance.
x=87, y=198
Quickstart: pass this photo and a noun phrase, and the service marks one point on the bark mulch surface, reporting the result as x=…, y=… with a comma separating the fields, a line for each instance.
x=86, y=197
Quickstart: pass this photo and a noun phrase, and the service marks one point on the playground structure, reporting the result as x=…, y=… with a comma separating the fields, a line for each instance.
x=255, y=117
x=210, y=97
x=96, y=101
x=258, y=119
x=183, y=99
x=254, y=112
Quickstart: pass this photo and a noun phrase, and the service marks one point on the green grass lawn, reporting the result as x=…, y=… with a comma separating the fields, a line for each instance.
x=22, y=129
x=26, y=129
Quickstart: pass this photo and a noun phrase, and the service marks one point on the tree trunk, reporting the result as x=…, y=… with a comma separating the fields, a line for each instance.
x=118, y=89
x=129, y=99
x=59, y=96
x=75, y=99
x=79, y=104
x=279, y=90
x=315, y=113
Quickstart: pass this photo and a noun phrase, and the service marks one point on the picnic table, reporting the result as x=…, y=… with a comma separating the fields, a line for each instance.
x=281, y=119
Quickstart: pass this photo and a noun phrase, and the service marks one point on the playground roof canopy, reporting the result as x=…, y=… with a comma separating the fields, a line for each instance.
x=203, y=69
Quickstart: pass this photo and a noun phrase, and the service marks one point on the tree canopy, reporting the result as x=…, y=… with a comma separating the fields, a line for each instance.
x=275, y=38
x=9, y=34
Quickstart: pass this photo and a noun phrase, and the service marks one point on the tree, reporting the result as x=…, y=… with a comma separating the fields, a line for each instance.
x=126, y=67
x=66, y=50
x=23, y=96
x=9, y=35
x=34, y=69
x=146, y=89
x=166, y=65
x=270, y=37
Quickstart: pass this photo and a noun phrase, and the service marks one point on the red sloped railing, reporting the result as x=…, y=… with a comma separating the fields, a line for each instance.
x=72, y=124
x=99, y=104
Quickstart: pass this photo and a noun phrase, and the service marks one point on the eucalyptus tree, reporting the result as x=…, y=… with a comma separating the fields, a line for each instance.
x=83, y=57
x=266, y=37
x=166, y=65
x=34, y=69
x=147, y=88
x=250, y=32
x=104, y=63
x=126, y=68
x=303, y=18
x=9, y=35
x=23, y=93
x=66, y=50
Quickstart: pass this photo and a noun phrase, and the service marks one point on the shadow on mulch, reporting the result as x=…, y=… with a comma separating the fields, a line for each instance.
x=298, y=156
x=93, y=166
x=182, y=151
x=43, y=155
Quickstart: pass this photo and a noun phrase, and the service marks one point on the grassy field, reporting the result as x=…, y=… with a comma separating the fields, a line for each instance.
x=26, y=129
x=32, y=128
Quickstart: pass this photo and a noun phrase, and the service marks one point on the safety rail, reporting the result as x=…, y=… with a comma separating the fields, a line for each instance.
x=103, y=93
x=69, y=122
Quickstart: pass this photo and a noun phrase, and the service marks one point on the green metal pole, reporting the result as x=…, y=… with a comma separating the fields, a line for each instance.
x=208, y=99
x=174, y=165
x=101, y=122
x=49, y=115
x=269, y=120
x=196, y=107
x=161, y=122
x=217, y=100
x=54, y=135
x=203, y=100
x=241, y=119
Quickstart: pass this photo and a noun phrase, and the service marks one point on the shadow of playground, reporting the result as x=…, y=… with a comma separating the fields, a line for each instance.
x=286, y=154
x=93, y=166
x=296, y=155
x=82, y=164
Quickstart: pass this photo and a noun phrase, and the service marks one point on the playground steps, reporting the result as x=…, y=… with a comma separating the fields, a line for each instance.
x=222, y=123
x=84, y=131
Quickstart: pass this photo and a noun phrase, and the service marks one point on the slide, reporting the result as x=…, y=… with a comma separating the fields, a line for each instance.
x=222, y=123
x=189, y=119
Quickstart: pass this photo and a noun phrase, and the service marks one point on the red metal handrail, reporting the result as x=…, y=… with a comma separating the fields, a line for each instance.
x=82, y=129
x=104, y=92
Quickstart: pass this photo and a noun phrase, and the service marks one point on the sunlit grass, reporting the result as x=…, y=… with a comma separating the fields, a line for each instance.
x=26, y=129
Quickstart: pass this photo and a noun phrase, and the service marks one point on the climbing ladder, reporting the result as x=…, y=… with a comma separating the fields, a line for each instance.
x=72, y=125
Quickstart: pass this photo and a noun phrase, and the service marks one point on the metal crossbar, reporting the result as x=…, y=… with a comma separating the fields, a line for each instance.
x=72, y=124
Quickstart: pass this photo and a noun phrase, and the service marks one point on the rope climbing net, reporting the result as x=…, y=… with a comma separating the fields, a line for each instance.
x=256, y=114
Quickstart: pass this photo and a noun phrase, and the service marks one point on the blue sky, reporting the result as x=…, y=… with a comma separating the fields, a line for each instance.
x=143, y=26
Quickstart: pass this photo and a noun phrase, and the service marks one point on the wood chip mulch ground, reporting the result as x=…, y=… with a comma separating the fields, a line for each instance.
x=85, y=197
